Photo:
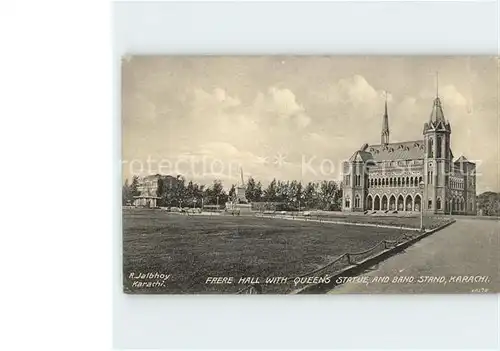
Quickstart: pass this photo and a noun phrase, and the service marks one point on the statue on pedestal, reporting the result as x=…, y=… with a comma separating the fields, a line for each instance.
x=240, y=197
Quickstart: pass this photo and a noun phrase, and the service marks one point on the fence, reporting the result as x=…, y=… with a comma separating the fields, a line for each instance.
x=348, y=259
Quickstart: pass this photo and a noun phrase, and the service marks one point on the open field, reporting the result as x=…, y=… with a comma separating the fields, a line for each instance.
x=192, y=248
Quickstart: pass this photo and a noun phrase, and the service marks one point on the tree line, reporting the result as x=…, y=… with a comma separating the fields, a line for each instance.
x=287, y=195
x=489, y=203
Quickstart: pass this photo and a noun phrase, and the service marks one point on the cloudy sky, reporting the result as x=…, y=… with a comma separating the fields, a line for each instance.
x=297, y=117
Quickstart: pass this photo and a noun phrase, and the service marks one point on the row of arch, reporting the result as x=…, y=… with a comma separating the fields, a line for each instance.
x=395, y=181
x=393, y=203
x=409, y=203
x=456, y=185
x=458, y=204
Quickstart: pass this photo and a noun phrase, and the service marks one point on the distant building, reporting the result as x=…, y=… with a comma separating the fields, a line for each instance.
x=148, y=187
x=411, y=175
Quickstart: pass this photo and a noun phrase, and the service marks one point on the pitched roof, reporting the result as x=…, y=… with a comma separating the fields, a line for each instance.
x=362, y=156
x=407, y=150
x=463, y=159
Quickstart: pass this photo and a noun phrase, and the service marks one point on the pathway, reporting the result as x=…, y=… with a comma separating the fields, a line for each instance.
x=467, y=248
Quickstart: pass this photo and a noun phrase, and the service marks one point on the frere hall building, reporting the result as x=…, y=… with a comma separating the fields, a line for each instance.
x=412, y=175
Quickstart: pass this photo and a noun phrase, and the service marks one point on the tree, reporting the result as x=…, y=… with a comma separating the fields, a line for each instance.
x=283, y=192
x=134, y=188
x=215, y=195
x=270, y=194
x=253, y=191
x=125, y=193
x=177, y=195
x=191, y=192
x=311, y=196
x=295, y=195
x=160, y=192
x=250, y=190
x=489, y=203
x=232, y=192
x=328, y=194
x=258, y=192
x=338, y=199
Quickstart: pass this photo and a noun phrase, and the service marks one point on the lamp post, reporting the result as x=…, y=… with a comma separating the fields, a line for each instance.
x=421, y=184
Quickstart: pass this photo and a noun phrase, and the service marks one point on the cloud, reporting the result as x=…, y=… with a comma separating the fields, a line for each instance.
x=353, y=91
x=449, y=94
x=139, y=109
x=219, y=131
x=357, y=90
x=283, y=102
x=280, y=107
x=302, y=120
x=217, y=99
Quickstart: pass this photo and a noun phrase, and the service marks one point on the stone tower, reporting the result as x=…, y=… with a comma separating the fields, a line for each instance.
x=355, y=185
x=437, y=161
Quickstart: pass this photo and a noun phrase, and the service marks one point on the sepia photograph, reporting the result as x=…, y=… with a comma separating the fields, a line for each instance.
x=310, y=174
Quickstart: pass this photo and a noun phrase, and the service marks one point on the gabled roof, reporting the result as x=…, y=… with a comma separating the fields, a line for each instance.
x=462, y=159
x=407, y=150
x=361, y=156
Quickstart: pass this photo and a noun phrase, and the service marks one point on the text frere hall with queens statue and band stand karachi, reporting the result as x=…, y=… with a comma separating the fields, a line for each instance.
x=411, y=175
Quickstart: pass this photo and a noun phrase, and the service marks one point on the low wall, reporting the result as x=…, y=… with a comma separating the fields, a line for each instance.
x=487, y=218
x=360, y=267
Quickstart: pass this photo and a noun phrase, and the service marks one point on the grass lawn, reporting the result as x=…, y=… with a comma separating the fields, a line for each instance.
x=192, y=248
x=413, y=221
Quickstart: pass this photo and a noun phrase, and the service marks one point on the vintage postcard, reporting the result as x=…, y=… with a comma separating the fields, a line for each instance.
x=310, y=174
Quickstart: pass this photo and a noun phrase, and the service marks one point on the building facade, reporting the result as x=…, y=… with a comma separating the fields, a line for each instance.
x=410, y=176
x=148, y=187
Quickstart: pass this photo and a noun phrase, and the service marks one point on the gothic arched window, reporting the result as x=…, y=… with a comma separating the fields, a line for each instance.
x=357, y=201
x=430, y=147
x=438, y=146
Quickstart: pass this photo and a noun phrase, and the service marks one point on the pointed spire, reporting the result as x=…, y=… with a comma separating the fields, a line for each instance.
x=437, y=84
x=437, y=114
x=385, y=103
x=242, y=182
x=384, y=139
